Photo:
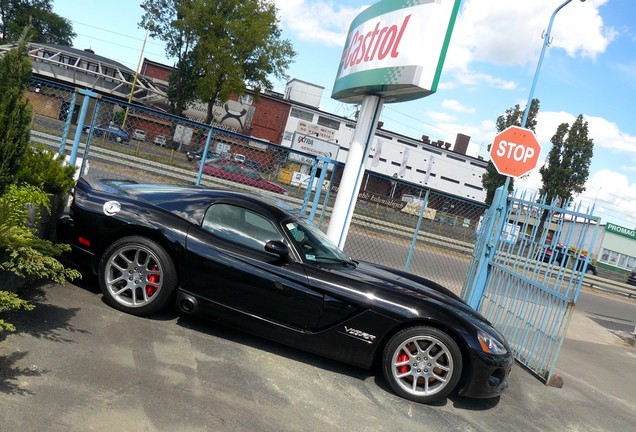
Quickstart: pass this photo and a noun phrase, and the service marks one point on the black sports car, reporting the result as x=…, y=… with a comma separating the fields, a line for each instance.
x=257, y=264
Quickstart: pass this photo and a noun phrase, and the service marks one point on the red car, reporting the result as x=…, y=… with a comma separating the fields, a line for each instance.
x=239, y=172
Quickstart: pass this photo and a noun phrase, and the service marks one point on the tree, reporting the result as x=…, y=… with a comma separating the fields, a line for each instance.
x=568, y=165
x=491, y=179
x=23, y=255
x=182, y=85
x=15, y=111
x=223, y=47
x=46, y=26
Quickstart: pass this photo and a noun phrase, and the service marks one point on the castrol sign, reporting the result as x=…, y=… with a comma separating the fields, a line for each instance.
x=396, y=49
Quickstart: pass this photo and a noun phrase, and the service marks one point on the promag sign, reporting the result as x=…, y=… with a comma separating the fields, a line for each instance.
x=396, y=49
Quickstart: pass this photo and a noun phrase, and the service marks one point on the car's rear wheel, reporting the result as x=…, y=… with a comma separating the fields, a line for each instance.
x=118, y=139
x=422, y=364
x=137, y=276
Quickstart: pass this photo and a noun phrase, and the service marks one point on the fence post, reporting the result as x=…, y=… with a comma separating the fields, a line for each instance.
x=87, y=149
x=312, y=176
x=417, y=231
x=488, y=246
x=204, y=156
x=321, y=179
x=325, y=202
x=80, y=123
x=67, y=124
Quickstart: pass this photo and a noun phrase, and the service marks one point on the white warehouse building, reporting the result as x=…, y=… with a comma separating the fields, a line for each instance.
x=429, y=164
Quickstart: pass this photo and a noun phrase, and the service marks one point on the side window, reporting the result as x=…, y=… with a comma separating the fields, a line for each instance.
x=305, y=242
x=231, y=167
x=240, y=225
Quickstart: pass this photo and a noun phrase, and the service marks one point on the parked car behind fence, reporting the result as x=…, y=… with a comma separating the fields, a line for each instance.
x=110, y=132
x=562, y=255
x=139, y=134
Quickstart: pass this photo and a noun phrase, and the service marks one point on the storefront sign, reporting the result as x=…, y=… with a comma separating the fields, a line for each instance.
x=315, y=130
x=313, y=146
x=396, y=49
x=627, y=232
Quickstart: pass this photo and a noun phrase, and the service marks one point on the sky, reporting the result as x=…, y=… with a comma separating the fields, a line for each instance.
x=589, y=68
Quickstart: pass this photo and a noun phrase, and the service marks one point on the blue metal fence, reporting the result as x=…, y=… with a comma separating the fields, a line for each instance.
x=527, y=272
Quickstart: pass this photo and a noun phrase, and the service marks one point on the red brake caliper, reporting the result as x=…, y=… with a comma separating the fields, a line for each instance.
x=153, y=278
x=402, y=357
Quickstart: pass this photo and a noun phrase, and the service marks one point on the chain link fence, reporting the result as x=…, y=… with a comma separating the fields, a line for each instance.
x=395, y=223
x=128, y=142
x=410, y=227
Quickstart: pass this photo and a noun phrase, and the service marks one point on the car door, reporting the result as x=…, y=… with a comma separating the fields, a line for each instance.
x=228, y=265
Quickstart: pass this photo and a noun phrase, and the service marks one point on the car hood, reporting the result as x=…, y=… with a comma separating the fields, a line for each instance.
x=400, y=292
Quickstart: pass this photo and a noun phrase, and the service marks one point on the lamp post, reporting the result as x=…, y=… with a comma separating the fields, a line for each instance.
x=546, y=42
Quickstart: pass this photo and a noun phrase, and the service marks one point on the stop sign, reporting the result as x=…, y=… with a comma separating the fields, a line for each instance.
x=515, y=151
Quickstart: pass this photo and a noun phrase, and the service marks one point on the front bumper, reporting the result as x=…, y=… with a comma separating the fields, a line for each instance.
x=488, y=376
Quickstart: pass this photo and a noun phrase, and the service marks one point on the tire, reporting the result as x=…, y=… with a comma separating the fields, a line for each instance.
x=118, y=139
x=422, y=364
x=137, y=276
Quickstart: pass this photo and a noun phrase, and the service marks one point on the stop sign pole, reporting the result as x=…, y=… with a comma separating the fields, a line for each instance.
x=515, y=151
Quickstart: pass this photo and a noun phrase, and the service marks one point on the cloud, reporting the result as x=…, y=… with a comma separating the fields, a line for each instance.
x=440, y=116
x=319, y=22
x=613, y=197
x=497, y=32
x=469, y=78
x=454, y=105
x=608, y=136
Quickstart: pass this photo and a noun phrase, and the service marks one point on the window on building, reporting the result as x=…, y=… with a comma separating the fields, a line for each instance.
x=450, y=179
x=327, y=122
x=617, y=259
x=303, y=115
x=450, y=156
x=468, y=185
x=246, y=99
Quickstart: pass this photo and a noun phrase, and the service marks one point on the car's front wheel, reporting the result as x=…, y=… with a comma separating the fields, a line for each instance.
x=137, y=276
x=422, y=364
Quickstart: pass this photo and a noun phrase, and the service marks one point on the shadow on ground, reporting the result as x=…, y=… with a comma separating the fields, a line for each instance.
x=46, y=321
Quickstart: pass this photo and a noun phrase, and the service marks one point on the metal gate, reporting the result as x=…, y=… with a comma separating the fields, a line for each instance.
x=526, y=273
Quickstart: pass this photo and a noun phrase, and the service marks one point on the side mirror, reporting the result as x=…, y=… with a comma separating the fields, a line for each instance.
x=277, y=247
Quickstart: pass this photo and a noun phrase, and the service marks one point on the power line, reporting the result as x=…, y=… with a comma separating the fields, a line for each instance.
x=136, y=49
x=151, y=41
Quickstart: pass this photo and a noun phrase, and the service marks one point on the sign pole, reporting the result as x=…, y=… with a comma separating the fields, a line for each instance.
x=354, y=170
x=394, y=52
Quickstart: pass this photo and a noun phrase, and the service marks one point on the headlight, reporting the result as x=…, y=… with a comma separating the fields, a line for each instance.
x=489, y=344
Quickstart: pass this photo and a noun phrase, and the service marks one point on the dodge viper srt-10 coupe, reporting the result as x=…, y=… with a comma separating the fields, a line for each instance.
x=256, y=264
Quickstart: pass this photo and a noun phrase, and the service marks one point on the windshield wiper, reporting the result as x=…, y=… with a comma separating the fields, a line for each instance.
x=348, y=262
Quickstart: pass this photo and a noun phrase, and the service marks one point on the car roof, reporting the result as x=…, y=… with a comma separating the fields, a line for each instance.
x=190, y=201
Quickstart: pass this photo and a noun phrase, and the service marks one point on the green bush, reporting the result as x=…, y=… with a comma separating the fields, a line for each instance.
x=45, y=169
x=15, y=111
x=9, y=302
x=22, y=252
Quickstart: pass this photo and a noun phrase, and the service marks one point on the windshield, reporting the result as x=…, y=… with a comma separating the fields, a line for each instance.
x=313, y=244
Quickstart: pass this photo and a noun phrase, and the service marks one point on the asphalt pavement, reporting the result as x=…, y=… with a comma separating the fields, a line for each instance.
x=77, y=365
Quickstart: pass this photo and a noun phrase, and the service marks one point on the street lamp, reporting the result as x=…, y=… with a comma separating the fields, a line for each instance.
x=546, y=42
